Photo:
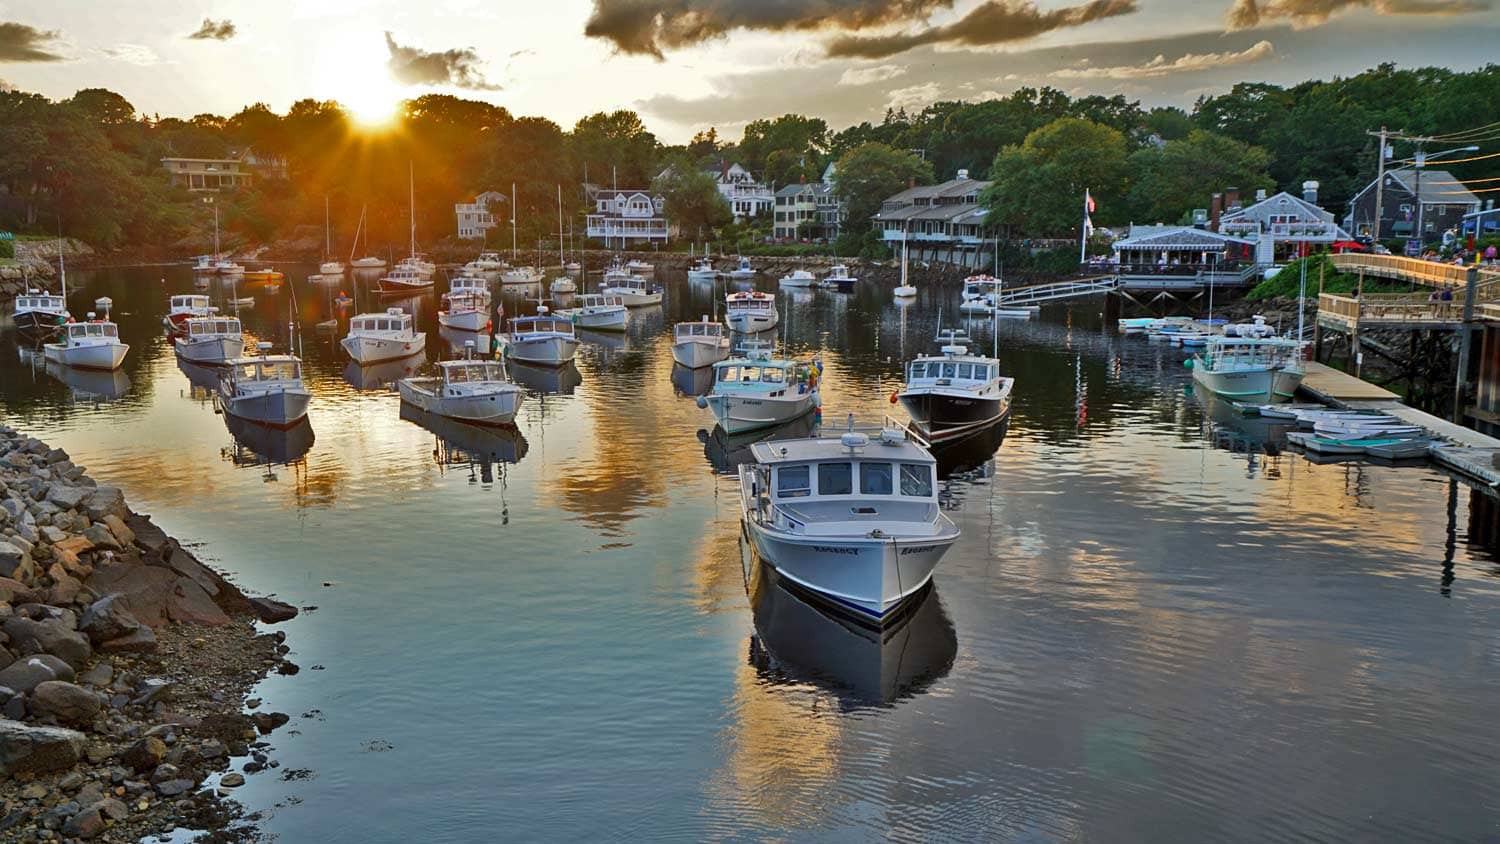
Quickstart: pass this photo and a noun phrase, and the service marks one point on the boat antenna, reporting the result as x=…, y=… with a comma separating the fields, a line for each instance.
x=62, y=270
x=411, y=186
x=513, y=251
x=561, y=259
x=1301, y=296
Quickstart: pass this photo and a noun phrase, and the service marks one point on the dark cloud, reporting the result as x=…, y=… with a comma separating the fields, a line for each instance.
x=646, y=27
x=456, y=67
x=213, y=30
x=992, y=22
x=22, y=43
x=1247, y=13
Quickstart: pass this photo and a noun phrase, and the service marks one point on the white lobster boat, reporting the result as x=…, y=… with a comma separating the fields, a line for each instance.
x=211, y=340
x=88, y=345
x=182, y=308
x=636, y=265
x=852, y=518
x=40, y=312
x=954, y=393
x=374, y=338
x=488, y=264
x=267, y=390
x=472, y=390
x=757, y=391
x=750, y=311
x=563, y=284
x=521, y=275
x=403, y=280
x=702, y=270
x=544, y=339
x=465, y=311
x=742, y=271
x=1250, y=369
x=633, y=291
x=798, y=278
x=699, y=344
x=598, y=312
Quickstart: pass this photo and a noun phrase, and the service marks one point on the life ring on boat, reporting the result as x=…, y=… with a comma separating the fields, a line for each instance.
x=893, y=396
x=408, y=347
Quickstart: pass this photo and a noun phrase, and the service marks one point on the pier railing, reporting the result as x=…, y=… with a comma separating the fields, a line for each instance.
x=1416, y=270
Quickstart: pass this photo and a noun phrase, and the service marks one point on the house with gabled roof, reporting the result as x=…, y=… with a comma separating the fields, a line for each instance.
x=1443, y=202
x=941, y=222
x=1284, y=226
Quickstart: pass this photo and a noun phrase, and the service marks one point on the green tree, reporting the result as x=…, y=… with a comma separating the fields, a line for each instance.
x=869, y=173
x=796, y=143
x=1168, y=123
x=1039, y=186
x=693, y=200
x=1183, y=174
x=614, y=147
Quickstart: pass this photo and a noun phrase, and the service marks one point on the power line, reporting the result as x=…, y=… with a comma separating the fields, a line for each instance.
x=1467, y=134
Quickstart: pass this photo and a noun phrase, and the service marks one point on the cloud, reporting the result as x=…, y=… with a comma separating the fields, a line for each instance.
x=137, y=54
x=868, y=75
x=646, y=27
x=914, y=96
x=1159, y=66
x=992, y=22
x=1304, y=13
x=213, y=30
x=456, y=67
x=22, y=43
x=6, y=86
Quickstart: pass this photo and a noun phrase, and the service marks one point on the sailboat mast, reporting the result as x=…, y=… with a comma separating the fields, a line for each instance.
x=62, y=271
x=561, y=260
x=513, y=252
x=327, y=238
x=411, y=186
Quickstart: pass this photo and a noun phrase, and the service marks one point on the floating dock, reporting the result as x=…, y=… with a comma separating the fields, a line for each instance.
x=1469, y=453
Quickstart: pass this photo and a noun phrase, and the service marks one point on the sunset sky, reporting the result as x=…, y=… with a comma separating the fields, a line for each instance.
x=690, y=64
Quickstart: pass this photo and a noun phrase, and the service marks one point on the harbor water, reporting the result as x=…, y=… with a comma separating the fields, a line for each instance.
x=1158, y=623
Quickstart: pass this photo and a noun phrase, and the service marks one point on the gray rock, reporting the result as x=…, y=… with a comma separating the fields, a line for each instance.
x=53, y=534
x=102, y=538
x=108, y=618
x=151, y=690
x=113, y=809
x=54, y=457
x=106, y=501
x=86, y=824
x=14, y=561
x=38, y=750
x=66, y=702
x=165, y=771
x=52, y=636
x=172, y=788
x=272, y=611
x=144, y=755
x=99, y=676
x=71, y=782
x=67, y=496
x=232, y=780
x=14, y=708
x=26, y=673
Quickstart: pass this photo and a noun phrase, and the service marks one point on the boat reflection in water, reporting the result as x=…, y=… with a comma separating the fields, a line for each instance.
x=91, y=385
x=458, y=341
x=725, y=451
x=474, y=448
x=800, y=638
x=380, y=376
x=203, y=380
x=262, y=445
x=972, y=452
x=552, y=380
x=1254, y=437
x=612, y=341
x=692, y=382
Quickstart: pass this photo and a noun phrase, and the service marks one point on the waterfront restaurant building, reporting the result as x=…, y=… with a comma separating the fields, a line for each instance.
x=627, y=217
x=1184, y=252
x=942, y=222
x=1284, y=226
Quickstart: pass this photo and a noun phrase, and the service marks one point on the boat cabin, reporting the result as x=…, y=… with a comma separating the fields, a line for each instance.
x=701, y=330
x=750, y=301
x=190, y=303
x=627, y=281
x=469, y=284
x=204, y=328
x=976, y=286
x=91, y=332
x=762, y=375
x=811, y=485
x=471, y=371
x=35, y=301
x=599, y=301
x=466, y=300
x=264, y=371
x=392, y=322
x=1228, y=354
x=956, y=371
x=541, y=324
x=839, y=271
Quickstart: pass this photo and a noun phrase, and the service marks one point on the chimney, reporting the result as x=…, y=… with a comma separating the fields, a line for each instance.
x=963, y=174
x=911, y=182
x=1231, y=198
x=1260, y=195
x=1215, y=208
x=1310, y=192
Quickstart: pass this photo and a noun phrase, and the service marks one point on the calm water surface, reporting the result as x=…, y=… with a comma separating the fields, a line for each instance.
x=1156, y=625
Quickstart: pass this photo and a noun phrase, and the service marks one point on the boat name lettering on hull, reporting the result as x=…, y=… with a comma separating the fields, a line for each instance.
x=824, y=549
x=920, y=549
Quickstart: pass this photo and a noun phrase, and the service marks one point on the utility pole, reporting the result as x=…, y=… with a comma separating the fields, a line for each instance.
x=1384, y=137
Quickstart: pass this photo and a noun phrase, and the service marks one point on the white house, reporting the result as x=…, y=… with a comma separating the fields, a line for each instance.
x=1283, y=226
x=937, y=220
x=810, y=209
x=746, y=197
x=474, y=218
x=627, y=216
x=207, y=174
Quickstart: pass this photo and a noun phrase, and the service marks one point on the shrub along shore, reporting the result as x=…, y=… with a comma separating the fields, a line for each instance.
x=125, y=665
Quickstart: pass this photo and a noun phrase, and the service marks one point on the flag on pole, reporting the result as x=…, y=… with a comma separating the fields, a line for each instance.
x=1088, y=202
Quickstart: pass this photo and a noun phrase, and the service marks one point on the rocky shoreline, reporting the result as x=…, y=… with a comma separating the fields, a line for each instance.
x=125, y=666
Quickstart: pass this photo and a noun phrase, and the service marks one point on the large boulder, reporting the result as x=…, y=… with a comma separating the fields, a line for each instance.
x=66, y=702
x=99, y=534
x=145, y=590
x=67, y=496
x=108, y=618
x=118, y=527
x=272, y=611
x=106, y=501
x=28, y=672
x=188, y=566
x=141, y=641
x=38, y=750
x=15, y=561
x=144, y=755
x=147, y=535
x=16, y=592
x=189, y=604
x=49, y=636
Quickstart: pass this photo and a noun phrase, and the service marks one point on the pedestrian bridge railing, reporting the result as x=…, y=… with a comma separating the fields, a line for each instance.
x=1414, y=270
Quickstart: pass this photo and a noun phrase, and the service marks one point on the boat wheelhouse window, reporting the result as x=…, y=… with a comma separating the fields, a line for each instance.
x=793, y=481
x=772, y=375
x=916, y=479
x=835, y=478
x=729, y=373
x=875, y=479
x=950, y=370
x=966, y=370
x=918, y=370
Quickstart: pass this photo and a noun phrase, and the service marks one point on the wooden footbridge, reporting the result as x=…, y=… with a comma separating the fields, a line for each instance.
x=1192, y=280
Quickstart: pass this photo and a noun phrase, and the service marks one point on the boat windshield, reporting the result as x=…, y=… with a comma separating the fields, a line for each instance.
x=93, y=329
x=475, y=372
x=281, y=370
x=807, y=480
x=700, y=329
x=752, y=374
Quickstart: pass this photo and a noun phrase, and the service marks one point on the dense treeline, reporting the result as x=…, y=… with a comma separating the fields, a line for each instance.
x=91, y=164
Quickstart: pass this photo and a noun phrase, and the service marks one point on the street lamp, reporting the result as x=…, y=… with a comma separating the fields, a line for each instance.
x=1418, y=162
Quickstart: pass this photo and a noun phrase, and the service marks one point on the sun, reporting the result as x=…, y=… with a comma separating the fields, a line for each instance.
x=351, y=69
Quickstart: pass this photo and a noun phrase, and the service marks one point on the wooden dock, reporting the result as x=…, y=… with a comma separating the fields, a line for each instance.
x=1332, y=386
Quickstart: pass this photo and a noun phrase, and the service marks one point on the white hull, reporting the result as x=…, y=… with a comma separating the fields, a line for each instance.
x=905, y=291
x=498, y=408
x=697, y=354
x=564, y=285
x=470, y=320
x=279, y=408
x=738, y=414
x=602, y=321
x=871, y=576
x=368, y=264
x=105, y=356
x=787, y=281
x=331, y=268
x=634, y=299
x=216, y=350
x=749, y=322
x=1265, y=386
x=702, y=275
x=548, y=351
x=367, y=350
